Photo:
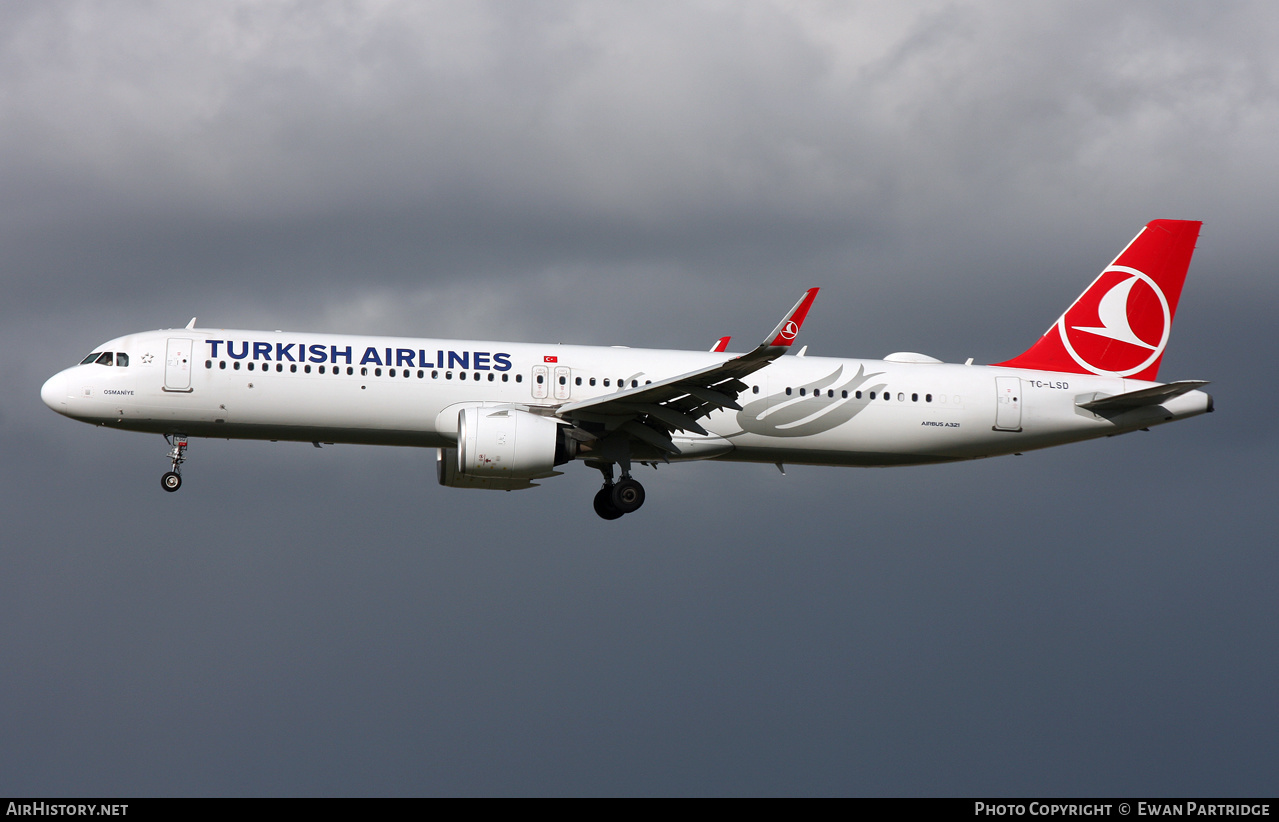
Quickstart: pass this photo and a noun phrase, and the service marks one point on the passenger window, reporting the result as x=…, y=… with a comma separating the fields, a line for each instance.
x=901, y=396
x=801, y=392
x=279, y=367
x=293, y=369
x=754, y=389
x=606, y=382
x=914, y=398
x=222, y=364
x=539, y=379
x=518, y=377
x=592, y=381
x=577, y=381
x=236, y=366
x=306, y=368
x=506, y=377
x=928, y=398
x=788, y=390
x=122, y=359
x=872, y=395
x=208, y=363
x=250, y=366
x=843, y=395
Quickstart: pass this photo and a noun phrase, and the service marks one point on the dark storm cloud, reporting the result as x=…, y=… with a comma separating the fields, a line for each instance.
x=1087, y=620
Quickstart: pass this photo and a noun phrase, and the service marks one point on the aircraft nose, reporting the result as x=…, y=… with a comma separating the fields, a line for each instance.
x=54, y=392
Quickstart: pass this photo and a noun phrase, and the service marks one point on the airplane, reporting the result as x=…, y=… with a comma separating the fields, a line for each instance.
x=504, y=415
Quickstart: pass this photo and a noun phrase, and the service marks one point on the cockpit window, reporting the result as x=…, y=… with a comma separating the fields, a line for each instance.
x=104, y=358
x=92, y=357
x=122, y=359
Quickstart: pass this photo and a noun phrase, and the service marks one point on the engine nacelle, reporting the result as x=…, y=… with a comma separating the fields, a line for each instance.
x=446, y=471
x=504, y=448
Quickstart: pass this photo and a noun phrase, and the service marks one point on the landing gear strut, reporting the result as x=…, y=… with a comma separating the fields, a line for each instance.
x=172, y=480
x=617, y=498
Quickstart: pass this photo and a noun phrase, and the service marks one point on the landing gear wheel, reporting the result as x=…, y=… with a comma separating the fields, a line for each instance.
x=172, y=481
x=604, y=503
x=628, y=495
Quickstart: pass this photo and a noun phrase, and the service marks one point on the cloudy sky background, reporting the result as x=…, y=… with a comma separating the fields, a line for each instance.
x=1096, y=619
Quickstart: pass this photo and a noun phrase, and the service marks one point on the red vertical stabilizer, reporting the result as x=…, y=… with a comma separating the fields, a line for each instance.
x=1119, y=326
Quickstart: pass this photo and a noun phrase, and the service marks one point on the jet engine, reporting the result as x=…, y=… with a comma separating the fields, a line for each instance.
x=504, y=448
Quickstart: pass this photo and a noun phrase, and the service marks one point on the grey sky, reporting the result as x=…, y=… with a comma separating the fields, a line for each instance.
x=1088, y=620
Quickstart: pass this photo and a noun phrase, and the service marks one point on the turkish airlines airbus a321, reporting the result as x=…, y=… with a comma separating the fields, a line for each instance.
x=503, y=415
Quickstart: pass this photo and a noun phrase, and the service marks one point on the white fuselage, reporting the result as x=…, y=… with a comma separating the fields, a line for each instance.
x=402, y=391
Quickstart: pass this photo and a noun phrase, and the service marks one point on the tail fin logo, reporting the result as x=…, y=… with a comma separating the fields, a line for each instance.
x=1123, y=321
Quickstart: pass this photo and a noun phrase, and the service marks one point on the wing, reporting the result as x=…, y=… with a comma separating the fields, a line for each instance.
x=651, y=413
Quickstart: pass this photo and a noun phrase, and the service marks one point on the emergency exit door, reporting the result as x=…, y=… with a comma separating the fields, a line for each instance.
x=562, y=387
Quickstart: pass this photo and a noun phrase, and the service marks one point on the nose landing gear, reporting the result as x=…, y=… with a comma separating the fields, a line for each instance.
x=172, y=480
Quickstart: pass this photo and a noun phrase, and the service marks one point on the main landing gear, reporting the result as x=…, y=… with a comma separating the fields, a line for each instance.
x=617, y=498
x=172, y=480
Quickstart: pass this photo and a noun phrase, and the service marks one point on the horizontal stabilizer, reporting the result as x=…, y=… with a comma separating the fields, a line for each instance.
x=1138, y=399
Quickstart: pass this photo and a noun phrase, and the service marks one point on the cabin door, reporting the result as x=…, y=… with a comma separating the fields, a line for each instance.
x=1008, y=405
x=177, y=366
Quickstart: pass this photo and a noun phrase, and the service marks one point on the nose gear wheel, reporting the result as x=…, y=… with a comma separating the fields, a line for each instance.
x=172, y=479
